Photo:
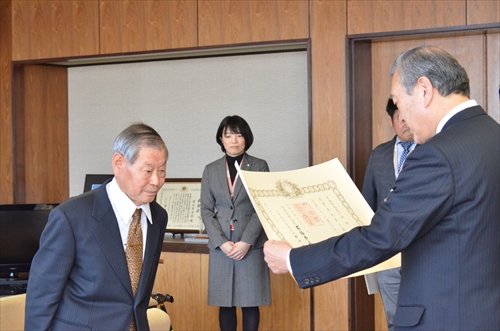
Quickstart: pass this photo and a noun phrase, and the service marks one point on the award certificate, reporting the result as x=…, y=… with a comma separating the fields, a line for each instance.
x=309, y=205
x=182, y=202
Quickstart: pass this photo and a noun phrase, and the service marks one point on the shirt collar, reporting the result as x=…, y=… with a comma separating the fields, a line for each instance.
x=453, y=112
x=399, y=140
x=126, y=207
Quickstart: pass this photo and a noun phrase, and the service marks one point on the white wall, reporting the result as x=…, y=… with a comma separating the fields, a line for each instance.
x=185, y=100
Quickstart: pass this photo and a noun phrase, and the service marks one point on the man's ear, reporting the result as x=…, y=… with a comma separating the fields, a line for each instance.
x=427, y=89
x=118, y=162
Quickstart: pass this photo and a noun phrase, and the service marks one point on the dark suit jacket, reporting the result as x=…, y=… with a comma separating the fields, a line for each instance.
x=443, y=215
x=79, y=278
x=379, y=174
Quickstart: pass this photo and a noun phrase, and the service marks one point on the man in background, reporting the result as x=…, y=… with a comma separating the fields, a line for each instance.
x=99, y=252
x=385, y=163
x=442, y=213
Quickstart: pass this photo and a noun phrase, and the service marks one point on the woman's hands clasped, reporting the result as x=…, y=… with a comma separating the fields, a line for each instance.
x=236, y=251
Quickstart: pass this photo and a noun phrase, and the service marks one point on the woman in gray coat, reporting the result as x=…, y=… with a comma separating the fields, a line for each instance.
x=238, y=275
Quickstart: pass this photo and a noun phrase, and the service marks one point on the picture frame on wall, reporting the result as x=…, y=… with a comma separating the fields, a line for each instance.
x=181, y=199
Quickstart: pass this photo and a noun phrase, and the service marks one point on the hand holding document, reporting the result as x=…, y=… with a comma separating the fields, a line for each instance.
x=310, y=205
x=275, y=254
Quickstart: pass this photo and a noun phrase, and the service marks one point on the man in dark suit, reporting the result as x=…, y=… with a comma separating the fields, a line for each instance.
x=91, y=272
x=442, y=213
x=384, y=165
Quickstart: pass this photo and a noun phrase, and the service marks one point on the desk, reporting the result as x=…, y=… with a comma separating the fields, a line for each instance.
x=178, y=245
x=13, y=286
x=183, y=273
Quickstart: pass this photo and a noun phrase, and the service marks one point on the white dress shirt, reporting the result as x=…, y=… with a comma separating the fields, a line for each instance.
x=453, y=112
x=124, y=208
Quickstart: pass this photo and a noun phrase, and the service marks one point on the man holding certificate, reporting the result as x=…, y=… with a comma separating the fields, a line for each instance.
x=442, y=213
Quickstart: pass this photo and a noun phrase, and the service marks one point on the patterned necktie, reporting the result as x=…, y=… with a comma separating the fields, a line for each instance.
x=133, y=254
x=406, y=150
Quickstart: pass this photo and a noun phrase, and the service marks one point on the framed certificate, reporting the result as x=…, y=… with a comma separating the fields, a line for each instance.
x=181, y=198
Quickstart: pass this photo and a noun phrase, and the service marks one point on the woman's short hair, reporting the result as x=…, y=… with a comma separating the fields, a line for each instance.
x=139, y=135
x=235, y=124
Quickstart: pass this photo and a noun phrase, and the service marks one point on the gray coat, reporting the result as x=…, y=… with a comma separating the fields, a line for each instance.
x=243, y=283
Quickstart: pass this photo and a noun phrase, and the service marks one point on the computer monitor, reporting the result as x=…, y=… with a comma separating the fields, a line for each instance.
x=21, y=227
x=94, y=181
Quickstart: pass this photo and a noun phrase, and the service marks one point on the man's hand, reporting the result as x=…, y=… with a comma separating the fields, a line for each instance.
x=275, y=254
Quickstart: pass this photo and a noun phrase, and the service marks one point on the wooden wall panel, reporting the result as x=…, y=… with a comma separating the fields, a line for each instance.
x=483, y=11
x=383, y=53
x=290, y=307
x=6, y=129
x=493, y=75
x=41, y=123
x=244, y=21
x=185, y=277
x=180, y=276
x=331, y=309
x=54, y=28
x=369, y=16
x=380, y=320
x=328, y=76
x=139, y=26
x=210, y=315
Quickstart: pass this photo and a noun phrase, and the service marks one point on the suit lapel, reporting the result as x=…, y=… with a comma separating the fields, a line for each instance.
x=245, y=165
x=389, y=158
x=221, y=174
x=108, y=236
